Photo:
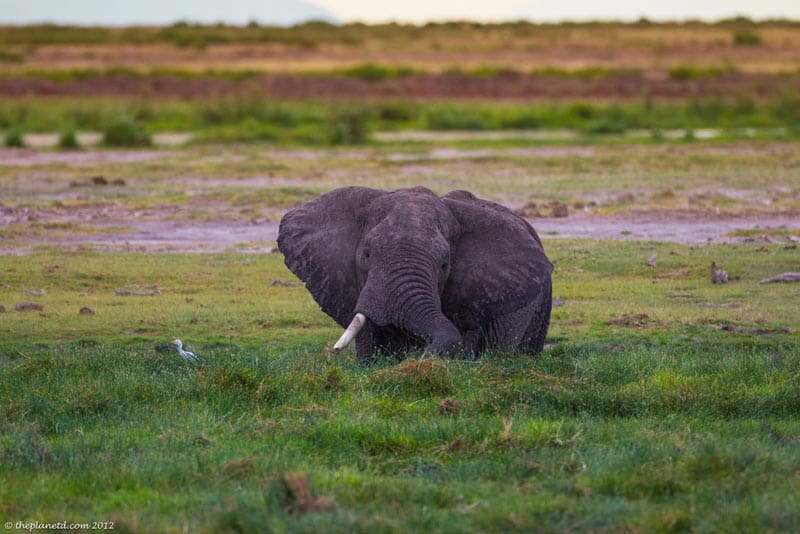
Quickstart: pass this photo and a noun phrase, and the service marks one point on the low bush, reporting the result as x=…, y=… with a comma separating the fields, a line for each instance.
x=746, y=38
x=15, y=138
x=348, y=127
x=68, y=139
x=123, y=131
x=371, y=72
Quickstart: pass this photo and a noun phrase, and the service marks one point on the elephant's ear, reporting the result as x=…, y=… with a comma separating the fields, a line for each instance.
x=319, y=241
x=498, y=264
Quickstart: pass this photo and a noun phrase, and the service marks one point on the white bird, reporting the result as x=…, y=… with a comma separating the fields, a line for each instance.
x=185, y=354
x=718, y=275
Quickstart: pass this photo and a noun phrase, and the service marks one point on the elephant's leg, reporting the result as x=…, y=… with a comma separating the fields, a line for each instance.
x=472, y=343
x=533, y=341
x=506, y=332
x=365, y=344
x=524, y=329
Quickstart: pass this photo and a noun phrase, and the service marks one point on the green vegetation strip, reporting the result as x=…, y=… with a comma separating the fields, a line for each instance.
x=127, y=121
x=663, y=403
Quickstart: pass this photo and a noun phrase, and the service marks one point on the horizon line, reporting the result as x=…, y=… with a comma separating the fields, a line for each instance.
x=498, y=22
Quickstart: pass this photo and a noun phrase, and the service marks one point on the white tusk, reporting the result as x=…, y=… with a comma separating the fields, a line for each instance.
x=352, y=330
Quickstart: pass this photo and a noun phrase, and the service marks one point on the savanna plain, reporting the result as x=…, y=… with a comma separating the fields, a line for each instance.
x=129, y=217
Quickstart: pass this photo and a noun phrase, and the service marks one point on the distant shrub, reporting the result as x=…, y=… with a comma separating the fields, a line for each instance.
x=786, y=109
x=445, y=118
x=348, y=127
x=396, y=112
x=521, y=120
x=235, y=110
x=581, y=111
x=746, y=38
x=15, y=138
x=68, y=140
x=604, y=127
x=709, y=109
x=122, y=130
x=682, y=73
x=685, y=73
x=7, y=56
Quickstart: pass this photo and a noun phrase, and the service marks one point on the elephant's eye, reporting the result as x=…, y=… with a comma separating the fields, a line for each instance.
x=444, y=266
x=366, y=254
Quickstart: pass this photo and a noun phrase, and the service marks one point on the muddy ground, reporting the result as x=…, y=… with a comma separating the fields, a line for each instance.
x=156, y=230
x=509, y=85
x=45, y=205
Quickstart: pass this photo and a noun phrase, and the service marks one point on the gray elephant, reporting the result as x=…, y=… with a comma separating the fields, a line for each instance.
x=407, y=268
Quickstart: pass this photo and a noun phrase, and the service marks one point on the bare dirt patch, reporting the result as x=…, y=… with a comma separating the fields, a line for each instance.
x=237, y=206
x=687, y=227
x=505, y=84
x=27, y=158
x=156, y=232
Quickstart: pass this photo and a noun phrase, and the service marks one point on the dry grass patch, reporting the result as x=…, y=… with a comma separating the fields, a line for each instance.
x=424, y=377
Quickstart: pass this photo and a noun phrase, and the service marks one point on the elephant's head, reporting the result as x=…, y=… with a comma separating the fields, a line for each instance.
x=413, y=264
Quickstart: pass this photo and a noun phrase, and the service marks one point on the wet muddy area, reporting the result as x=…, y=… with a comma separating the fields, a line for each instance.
x=63, y=199
x=686, y=227
x=157, y=231
x=28, y=157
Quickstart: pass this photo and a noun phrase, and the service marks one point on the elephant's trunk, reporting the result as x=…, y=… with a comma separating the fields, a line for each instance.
x=407, y=297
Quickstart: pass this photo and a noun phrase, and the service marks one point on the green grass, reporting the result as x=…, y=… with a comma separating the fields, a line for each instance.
x=124, y=131
x=746, y=38
x=14, y=138
x=245, y=181
x=683, y=420
x=349, y=122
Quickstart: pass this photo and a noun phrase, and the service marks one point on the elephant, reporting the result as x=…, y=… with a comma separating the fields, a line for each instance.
x=406, y=270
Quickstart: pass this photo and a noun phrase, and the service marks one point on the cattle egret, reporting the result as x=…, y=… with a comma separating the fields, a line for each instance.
x=185, y=354
x=718, y=275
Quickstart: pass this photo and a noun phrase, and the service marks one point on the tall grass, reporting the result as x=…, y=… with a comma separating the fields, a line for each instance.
x=648, y=437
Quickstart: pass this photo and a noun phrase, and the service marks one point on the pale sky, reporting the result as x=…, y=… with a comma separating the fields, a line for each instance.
x=555, y=10
x=414, y=11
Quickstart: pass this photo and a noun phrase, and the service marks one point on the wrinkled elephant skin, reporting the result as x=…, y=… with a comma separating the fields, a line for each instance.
x=454, y=274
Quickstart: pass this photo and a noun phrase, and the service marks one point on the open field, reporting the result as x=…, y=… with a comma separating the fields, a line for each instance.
x=230, y=197
x=641, y=153
x=514, y=61
x=662, y=402
x=767, y=47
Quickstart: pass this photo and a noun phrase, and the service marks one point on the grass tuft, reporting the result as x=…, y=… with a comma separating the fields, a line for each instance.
x=428, y=377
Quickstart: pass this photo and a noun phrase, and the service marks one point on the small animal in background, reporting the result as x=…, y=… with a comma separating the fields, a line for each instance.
x=185, y=354
x=718, y=275
x=651, y=261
